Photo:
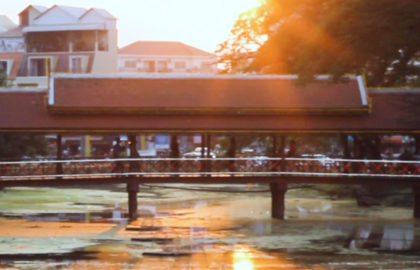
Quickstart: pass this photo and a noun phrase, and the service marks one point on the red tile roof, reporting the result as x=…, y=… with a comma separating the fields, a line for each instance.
x=215, y=94
x=23, y=111
x=173, y=48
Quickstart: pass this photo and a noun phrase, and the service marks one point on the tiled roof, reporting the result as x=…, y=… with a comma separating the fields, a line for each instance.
x=24, y=111
x=162, y=48
x=200, y=94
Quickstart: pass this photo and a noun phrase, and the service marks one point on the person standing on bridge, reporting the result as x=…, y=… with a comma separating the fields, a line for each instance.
x=292, y=149
x=292, y=153
x=231, y=153
x=117, y=152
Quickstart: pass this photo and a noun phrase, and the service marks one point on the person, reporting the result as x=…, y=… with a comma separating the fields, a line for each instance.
x=117, y=152
x=134, y=165
x=292, y=165
x=292, y=149
x=231, y=153
x=174, y=153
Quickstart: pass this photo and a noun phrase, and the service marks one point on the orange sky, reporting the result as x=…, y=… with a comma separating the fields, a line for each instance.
x=200, y=23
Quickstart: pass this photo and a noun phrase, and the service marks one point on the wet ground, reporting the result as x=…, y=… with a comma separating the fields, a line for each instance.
x=200, y=227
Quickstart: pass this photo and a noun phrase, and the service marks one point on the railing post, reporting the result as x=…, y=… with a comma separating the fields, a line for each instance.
x=59, y=166
x=278, y=191
x=132, y=189
x=416, y=194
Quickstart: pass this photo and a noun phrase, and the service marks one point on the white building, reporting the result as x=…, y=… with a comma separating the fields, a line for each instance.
x=165, y=56
x=6, y=24
x=59, y=39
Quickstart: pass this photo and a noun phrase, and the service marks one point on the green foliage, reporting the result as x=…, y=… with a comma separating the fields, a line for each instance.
x=17, y=146
x=307, y=37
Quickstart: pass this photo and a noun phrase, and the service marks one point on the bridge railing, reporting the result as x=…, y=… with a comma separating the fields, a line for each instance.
x=207, y=167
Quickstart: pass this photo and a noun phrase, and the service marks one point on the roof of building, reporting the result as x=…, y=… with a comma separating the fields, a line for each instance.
x=205, y=94
x=15, y=32
x=174, y=48
x=76, y=12
x=6, y=24
x=68, y=18
x=104, y=13
x=39, y=8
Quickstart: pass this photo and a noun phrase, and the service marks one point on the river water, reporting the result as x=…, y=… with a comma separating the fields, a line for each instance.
x=200, y=227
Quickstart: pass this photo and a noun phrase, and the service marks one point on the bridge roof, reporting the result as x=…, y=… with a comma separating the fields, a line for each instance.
x=228, y=104
x=203, y=94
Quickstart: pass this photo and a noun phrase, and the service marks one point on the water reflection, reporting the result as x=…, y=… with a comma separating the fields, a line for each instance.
x=193, y=230
x=391, y=237
x=242, y=260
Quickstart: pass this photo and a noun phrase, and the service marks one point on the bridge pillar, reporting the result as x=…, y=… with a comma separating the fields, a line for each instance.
x=416, y=194
x=278, y=200
x=132, y=189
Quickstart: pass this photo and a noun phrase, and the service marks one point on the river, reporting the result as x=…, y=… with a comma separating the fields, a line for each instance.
x=200, y=227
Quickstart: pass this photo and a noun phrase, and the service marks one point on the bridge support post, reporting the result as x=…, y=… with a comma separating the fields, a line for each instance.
x=416, y=194
x=132, y=189
x=278, y=192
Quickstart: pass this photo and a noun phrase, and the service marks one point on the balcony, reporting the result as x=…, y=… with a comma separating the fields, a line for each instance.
x=67, y=41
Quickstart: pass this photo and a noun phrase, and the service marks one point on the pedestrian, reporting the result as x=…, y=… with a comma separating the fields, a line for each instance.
x=117, y=152
x=292, y=149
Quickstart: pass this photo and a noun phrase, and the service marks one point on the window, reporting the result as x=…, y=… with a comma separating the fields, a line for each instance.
x=4, y=67
x=103, y=40
x=130, y=64
x=149, y=66
x=206, y=66
x=162, y=66
x=180, y=65
x=38, y=66
x=47, y=41
x=76, y=65
x=83, y=41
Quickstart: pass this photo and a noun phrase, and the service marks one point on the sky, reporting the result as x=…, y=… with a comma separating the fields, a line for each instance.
x=200, y=23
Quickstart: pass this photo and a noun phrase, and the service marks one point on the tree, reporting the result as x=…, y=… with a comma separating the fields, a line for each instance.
x=17, y=146
x=307, y=37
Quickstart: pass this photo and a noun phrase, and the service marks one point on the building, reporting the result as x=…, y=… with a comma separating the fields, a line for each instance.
x=6, y=24
x=165, y=57
x=59, y=39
